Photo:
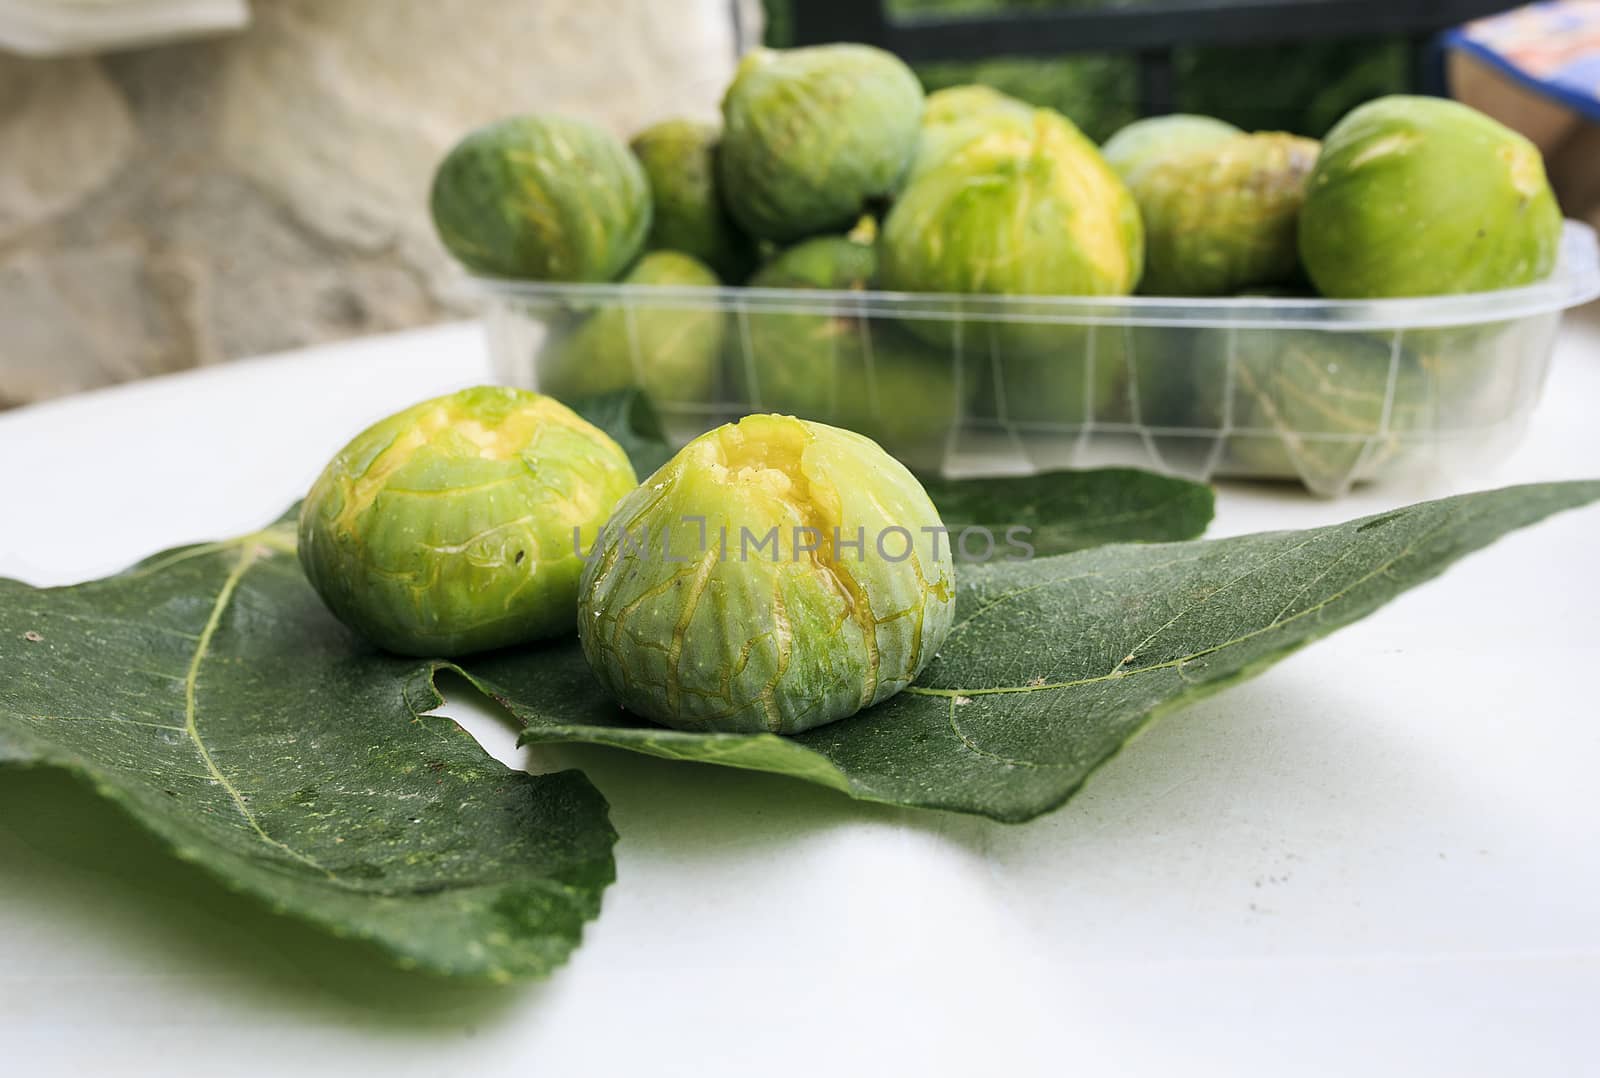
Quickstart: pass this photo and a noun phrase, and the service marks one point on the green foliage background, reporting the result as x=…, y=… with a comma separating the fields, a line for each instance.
x=1302, y=88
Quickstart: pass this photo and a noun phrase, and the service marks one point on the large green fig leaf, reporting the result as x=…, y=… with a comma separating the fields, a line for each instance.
x=1055, y=663
x=208, y=693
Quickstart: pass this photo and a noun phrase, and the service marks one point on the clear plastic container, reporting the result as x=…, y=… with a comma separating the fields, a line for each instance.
x=1327, y=392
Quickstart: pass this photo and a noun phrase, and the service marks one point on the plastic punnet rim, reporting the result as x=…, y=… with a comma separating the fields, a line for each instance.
x=1575, y=280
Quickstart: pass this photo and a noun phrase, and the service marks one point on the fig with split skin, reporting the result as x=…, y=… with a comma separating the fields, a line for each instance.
x=728, y=592
x=542, y=198
x=448, y=528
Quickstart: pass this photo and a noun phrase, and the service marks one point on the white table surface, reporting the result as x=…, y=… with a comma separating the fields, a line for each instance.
x=1378, y=857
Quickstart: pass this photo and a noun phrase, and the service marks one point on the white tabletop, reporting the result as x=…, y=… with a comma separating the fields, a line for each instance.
x=1380, y=856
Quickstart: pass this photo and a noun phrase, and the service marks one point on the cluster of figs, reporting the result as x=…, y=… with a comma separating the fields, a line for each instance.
x=833, y=171
x=746, y=585
x=775, y=575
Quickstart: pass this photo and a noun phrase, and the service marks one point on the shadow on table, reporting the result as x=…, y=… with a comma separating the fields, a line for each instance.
x=86, y=866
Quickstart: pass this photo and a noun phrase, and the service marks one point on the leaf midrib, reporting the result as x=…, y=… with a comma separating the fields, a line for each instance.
x=1276, y=623
x=250, y=552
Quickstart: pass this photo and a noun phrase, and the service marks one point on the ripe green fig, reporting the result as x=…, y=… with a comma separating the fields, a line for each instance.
x=455, y=525
x=1221, y=216
x=812, y=137
x=773, y=576
x=671, y=347
x=679, y=157
x=1028, y=210
x=542, y=198
x=1419, y=196
x=1013, y=212
x=838, y=366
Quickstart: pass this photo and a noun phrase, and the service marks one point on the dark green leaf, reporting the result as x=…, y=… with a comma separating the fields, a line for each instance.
x=1055, y=663
x=1067, y=511
x=208, y=693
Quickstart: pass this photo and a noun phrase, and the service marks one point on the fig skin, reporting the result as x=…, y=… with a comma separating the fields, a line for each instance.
x=680, y=160
x=1029, y=210
x=774, y=639
x=956, y=115
x=813, y=137
x=1033, y=212
x=864, y=374
x=678, y=344
x=1419, y=196
x=836, y=263
x=1221, y=217
x=957, y=104
x=542, y=198
x=447, y=528
x=1159, y=138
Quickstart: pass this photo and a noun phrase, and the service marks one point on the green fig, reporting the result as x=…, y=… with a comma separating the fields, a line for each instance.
x=774, y=576
x=1330, y=409
x=1033, y=212
x=679, y=157
x=542, y=198
x=1221, y=216
x=813, y=137
x=1419, y=196
x=670, y=347
x=956, y=115
x=456, y=525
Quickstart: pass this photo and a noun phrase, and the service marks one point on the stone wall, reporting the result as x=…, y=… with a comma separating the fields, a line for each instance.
x=173, y=207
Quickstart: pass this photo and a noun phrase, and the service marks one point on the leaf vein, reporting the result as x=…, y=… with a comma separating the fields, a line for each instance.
x=249, y=554
x=1002, y=690
x=1208, y=596
x=981, y=751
